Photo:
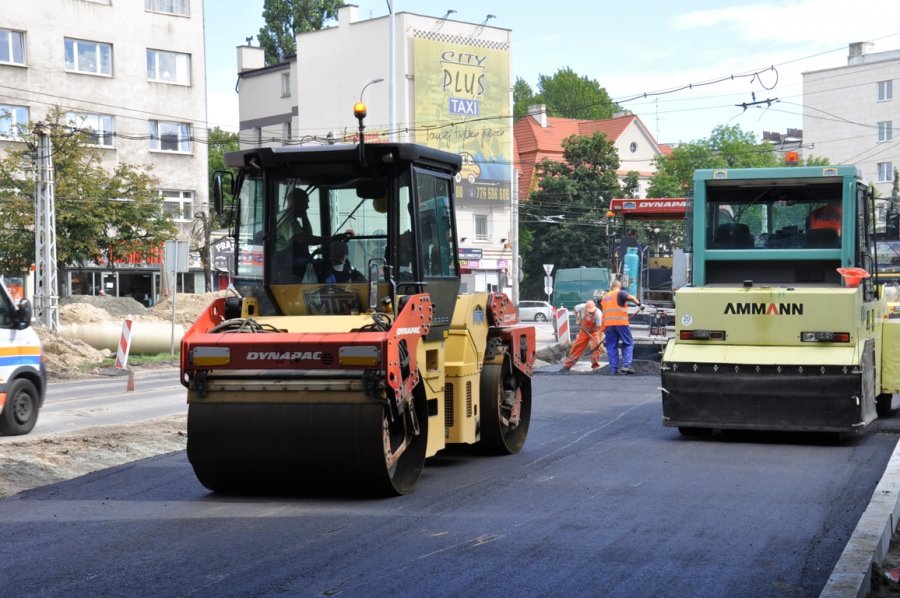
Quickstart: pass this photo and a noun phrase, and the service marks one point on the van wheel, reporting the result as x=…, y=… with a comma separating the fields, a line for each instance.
x=21, y=409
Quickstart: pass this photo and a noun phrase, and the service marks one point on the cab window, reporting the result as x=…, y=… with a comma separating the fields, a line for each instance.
x=436, y=225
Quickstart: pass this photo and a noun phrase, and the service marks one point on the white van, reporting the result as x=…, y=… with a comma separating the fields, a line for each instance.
x=23, y=379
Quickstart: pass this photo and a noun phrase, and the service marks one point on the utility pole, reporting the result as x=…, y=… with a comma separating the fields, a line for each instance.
x=46, y=296
x=515, y=260
x=392, y=71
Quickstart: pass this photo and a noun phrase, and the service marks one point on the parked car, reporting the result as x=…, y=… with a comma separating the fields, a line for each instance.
x=539, y=311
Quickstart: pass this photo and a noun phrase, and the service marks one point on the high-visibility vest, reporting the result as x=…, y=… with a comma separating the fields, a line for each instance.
x=827, y=216
x=613, y=313
x=589, y=323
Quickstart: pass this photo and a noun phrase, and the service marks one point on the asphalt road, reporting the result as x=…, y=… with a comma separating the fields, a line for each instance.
x=602, y=501
x=78, y=404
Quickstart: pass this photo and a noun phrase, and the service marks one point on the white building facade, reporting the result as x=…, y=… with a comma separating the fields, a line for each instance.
x=133, y=71
x=852, y=116
x=448, y=86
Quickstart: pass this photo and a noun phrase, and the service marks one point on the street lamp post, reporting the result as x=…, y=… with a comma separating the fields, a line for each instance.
x=372, y=82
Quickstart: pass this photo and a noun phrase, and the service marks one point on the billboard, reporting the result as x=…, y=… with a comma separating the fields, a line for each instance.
x=462, y=105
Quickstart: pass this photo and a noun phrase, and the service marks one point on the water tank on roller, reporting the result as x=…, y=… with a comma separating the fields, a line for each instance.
x=631, y=270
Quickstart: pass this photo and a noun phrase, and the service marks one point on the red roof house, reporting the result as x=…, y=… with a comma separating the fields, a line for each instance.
x=538, y=137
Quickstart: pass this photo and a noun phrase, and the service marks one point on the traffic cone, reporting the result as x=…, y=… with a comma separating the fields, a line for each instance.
x=130, y=386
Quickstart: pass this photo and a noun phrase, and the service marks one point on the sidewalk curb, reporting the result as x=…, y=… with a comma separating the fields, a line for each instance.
x=870, y=541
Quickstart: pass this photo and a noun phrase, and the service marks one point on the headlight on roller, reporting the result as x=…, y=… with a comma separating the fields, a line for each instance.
x=206, y=357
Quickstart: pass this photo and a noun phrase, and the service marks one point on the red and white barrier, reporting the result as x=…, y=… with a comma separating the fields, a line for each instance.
x=562, y=326
x=124, y=346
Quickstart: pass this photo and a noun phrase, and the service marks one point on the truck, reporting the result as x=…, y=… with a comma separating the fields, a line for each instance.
x=577, y=285
x=574, y=286
x=318, y=376
x=23, y=377
x=784, y=326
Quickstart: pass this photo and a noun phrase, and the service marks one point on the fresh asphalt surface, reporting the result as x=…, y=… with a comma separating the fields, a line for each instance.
x=602, y=500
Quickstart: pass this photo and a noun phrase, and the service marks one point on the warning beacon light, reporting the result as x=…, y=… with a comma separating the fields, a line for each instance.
x=359, y=110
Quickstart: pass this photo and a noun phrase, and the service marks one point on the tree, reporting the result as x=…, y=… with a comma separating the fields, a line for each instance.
x=631, y=185
x=562, y=219
x=566, y=95
x=206, y=223
x=286, y=18
x=523, y=97
x=101, y=216
x=220, y=143
x=726, y=147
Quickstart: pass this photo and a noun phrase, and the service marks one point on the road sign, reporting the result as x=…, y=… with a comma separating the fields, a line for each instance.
x=548, y=268
x=548, y=290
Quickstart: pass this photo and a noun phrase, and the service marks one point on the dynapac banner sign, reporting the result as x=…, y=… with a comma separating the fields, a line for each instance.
x=651, y=209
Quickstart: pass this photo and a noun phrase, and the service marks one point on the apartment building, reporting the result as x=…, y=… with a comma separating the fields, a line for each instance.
x=435, y=81
x=850, y=114
x=133, y=72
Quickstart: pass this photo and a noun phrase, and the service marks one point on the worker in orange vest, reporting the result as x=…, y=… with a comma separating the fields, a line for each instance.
x=826, y=216
x=589, y=335
x=615, y=327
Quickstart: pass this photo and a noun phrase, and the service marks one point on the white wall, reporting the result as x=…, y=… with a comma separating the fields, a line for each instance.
x=841, y=112
x=127, y=94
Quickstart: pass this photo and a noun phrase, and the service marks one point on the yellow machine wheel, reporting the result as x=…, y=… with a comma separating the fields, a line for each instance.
x=505, y=408
x=305, y=448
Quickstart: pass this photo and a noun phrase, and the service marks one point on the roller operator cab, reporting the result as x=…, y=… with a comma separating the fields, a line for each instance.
x=783, y=327
x=349, y=356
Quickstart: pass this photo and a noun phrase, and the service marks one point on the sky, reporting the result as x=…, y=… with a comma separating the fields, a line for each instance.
x=632, y=48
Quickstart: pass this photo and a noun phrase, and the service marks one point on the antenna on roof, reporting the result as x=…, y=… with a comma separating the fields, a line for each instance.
x=249, y=40
x=480, y=27
x=440, y=22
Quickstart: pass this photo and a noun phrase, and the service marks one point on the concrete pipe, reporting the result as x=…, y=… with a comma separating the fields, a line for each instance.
x=147, y=338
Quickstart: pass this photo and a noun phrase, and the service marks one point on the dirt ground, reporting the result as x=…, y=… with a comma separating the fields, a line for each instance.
x=28, y=462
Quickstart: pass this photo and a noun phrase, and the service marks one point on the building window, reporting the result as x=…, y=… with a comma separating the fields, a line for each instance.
x=94, y=58
x=100, y=126
x=12, y=120
x=286, y=131
x=885, y=90
x=885, y=130
x=178, y=204
x=286, y=84
x=169, y=136
x=168, y=67
x=481, y=227
x=169, y=7
x=12, y=47
x=885, y=172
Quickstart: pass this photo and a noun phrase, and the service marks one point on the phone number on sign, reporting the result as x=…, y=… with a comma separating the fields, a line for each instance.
x=492, y=193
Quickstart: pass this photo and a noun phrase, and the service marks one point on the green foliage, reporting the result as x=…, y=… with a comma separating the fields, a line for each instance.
x=220, y=143
x=566, y=95
x=101, y=215
x=205, y=223
x=726, y=147
x=579, y=190
x=286, y=18
x=631, y=184
x=523, y=97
